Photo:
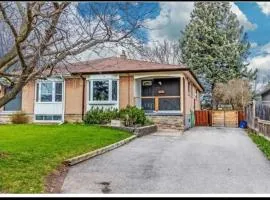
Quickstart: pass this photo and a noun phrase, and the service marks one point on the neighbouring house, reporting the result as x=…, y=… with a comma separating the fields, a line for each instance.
x=169, y=94
x=265, y=95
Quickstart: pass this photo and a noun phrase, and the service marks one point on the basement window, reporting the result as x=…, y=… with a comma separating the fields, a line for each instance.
x=48, y=117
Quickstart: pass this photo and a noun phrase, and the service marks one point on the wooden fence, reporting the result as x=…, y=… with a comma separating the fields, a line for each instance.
x=258, y=117
x=228, y=118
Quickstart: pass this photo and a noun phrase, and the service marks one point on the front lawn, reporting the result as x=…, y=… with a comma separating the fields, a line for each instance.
x=29, y=153
x=262, y=143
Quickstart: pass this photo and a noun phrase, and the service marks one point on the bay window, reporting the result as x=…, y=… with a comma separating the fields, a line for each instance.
x=49, y=91
x=103, y=91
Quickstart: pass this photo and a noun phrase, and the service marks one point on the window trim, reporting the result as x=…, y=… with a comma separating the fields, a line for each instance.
x=38, y=96
x=109, y=101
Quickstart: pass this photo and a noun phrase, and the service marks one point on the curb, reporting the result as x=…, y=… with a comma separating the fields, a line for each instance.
x=86, y=156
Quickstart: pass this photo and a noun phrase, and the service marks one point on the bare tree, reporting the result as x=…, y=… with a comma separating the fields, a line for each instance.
x=166, y=52
x=237, y=93
x=44, y=34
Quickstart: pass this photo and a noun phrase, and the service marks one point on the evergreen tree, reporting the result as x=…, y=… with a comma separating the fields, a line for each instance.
x=214, y=45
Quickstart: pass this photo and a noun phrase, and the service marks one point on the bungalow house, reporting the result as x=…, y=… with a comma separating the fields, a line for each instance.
x=168, y=93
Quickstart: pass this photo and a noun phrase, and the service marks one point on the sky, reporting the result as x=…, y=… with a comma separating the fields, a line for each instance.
x=170, y=18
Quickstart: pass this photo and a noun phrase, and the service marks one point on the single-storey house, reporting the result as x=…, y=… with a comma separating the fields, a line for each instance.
x=168, y=93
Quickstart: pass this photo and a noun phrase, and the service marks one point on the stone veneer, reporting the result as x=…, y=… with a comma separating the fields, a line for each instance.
x=5, y=118
x=168, y=121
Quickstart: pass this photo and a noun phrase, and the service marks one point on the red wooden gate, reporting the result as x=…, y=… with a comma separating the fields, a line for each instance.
x=202, y=118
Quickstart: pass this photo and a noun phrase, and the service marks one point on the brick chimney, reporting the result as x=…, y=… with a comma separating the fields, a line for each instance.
x=123, y=55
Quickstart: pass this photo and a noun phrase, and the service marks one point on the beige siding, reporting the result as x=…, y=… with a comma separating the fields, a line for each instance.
x=28, y=97
x=188, y=98
x=1, y=94
x=73, y=96
x=126, y=91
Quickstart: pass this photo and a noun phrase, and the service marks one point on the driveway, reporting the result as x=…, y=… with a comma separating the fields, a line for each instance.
x=202, y=160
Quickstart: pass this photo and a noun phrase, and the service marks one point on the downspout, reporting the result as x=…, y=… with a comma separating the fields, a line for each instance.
x=64, y=99
x=83, y=96
x=128, y=89
x=184, y=103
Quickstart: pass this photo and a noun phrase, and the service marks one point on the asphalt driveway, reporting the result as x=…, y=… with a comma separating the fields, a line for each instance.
x=202, y=160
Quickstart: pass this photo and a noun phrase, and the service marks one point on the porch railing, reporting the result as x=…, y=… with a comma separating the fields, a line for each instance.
x=159, y=103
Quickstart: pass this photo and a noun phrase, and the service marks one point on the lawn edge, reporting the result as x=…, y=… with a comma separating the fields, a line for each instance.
x=258, y=133
x=77, y=159
x=54, y=181
x=250, y=132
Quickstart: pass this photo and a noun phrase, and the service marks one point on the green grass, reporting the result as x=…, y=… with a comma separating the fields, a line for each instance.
x=262, y=143
x=28, y=153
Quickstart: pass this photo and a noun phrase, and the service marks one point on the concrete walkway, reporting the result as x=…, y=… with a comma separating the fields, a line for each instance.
x=202, y=160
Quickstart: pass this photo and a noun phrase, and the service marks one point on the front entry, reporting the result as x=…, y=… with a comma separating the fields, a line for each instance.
x=161, y=94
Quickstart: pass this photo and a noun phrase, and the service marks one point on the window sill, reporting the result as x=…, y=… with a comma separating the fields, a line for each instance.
x=49, y=102
x=48, y=121
x=102, y=102
x=5, y=112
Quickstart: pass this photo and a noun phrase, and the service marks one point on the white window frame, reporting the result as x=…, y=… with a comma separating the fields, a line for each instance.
x=109, y=101
x=38, y=100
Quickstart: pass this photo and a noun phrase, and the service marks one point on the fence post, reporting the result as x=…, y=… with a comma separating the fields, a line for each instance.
x=253, y=112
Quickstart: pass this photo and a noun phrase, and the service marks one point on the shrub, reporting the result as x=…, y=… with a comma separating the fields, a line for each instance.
x=148, y=122
x=100, y=115
x=131, y=115
x=19, y=118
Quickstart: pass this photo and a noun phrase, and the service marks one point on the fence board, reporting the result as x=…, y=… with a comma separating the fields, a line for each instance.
x=231, y=118
x=201, y=118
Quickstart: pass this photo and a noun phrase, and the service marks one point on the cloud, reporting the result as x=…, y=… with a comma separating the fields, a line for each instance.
x=174, y=16
x=242, y=18
x=253, y=44
x=265, y=7
x=260, y=62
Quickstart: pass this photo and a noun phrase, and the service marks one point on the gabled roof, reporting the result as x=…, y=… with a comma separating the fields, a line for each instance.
x=119, y=65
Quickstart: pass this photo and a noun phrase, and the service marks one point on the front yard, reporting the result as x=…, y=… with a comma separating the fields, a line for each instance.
x=29, y=153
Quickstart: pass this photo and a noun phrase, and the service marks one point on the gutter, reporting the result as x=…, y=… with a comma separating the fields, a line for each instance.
x=145, y=70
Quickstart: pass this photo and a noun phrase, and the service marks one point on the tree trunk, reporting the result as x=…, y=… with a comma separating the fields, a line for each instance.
x=213, y=106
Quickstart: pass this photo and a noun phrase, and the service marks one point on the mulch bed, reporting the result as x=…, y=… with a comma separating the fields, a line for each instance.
x=55, y=180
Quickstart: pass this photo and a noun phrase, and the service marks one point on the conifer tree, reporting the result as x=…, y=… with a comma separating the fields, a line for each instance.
x=215, y=46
